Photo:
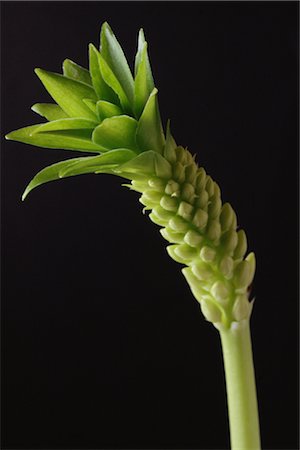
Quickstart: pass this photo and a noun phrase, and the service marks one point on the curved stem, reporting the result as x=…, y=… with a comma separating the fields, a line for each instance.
x=240, y=385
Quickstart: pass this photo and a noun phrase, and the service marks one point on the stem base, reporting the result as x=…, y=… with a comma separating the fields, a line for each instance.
x=240, y=385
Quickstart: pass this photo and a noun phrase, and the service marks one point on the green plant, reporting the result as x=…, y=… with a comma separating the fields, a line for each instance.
x=113, y=116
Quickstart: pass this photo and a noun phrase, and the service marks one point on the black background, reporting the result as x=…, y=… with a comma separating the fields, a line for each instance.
x=103, y=344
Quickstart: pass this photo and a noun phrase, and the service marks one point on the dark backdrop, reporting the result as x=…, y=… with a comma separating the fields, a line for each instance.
x=103, y=344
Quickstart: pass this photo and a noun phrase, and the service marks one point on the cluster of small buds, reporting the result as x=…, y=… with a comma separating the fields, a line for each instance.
x=203, y=234
x=114, y=113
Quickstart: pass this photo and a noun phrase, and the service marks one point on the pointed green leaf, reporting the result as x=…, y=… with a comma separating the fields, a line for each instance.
x=129, y=175
x=142, y=44
x=170, y=146
x=107, y=168
x=49, y=110
x=116, y=132
x=67, y=139
x=103, y=91
x=170, y=141
x=106, y=109
x=138, y=56
x=143, y=83
x=90, y=104
x=79, y=166
x=115, y=58
x=144, y=163
x=50, y=173
x=150, y=134
x=148, y=163
x=114, y=83
x=76, y=72
x=67, y=124
x=97, y=163
x=68, y=93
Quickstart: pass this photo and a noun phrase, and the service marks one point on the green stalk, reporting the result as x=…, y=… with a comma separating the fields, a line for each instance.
x=240, y=385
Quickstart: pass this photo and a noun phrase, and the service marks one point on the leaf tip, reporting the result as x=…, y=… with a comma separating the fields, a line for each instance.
x=39, y=72
x=141, y=37
x=65, y=63
x=105, y=27
x=154, y=92
x=25, y=193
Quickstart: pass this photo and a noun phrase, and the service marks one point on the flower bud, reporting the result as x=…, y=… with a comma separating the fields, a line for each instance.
x=210, y=311
x=178, y=172
x=241, y=247
x=185, y=252
x=181, y=154
x=202, y=271
x=169, y=203
x=227, y=217
x=144, y=200
x=229, y=241
x=200, y=180
x=217, y=191
x=156, y=183
x=242, y=275
x=214, y=230
x=200, y=219
x=226, y=266
x=172, y=188
x=241, y=308
x=189, y=157
x=194, y=284
x=251, y=260
x=187, y=192
x=157, y=220
x=185, y=210
x=220, y=292
x=234, y=221
x=193, y=238
x=207, y=254
x=202, y=200
x=162, y=213
x=191, y=172
x=173, y=255
x=214, y=207
x=178, y=224
x=209, y=186
x=172, y=236
x=152, y=195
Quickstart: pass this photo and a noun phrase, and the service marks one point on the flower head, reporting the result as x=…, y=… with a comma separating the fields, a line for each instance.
x=105, y=111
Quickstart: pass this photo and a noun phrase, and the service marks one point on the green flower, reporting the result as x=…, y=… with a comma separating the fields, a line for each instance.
x=109, y=113
x=114, y=116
